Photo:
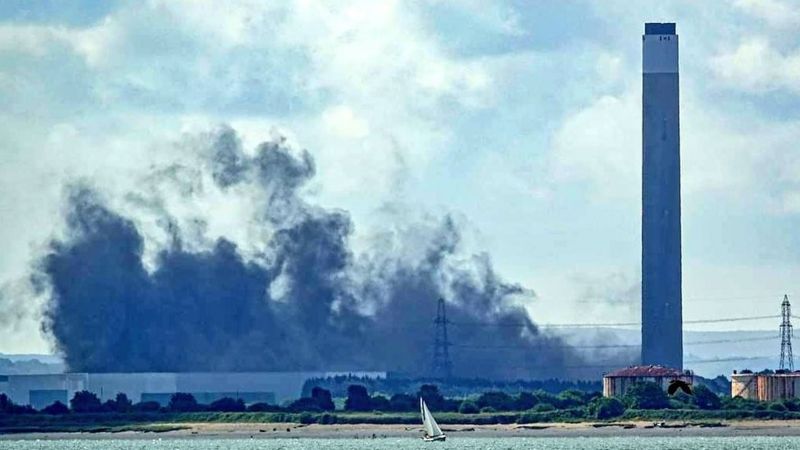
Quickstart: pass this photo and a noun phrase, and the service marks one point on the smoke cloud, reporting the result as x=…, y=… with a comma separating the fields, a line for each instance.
x=292, y=295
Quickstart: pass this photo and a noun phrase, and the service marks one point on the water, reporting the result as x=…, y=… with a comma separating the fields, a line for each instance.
x=594, y=443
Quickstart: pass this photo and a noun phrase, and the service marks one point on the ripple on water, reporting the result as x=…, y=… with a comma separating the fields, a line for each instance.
x=598, y=443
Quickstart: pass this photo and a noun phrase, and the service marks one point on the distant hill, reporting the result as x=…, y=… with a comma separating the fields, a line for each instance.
x=30, y=364
x=715, y=352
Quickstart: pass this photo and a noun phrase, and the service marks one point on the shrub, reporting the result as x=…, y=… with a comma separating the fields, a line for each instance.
x=9, y=407
x=607, y=408
x=327, y=419
x=149, y=406
x=545, y=397
x=704, y=398
x=85, y=402
x=120, y=404
x=776, y=406
x=183, y=402
x=468, y=407
x=434, y=399
x=227, y=404
x=571, y=398
x=525, y=401
x=499, y=401
x=323, y=398
x=543, y=407
x=357, y=398
x=304, y=404
x=379, y=403
x=791, y=405
x=646, y=395
x=403, y=402
x=56, y=408
x=264, y=407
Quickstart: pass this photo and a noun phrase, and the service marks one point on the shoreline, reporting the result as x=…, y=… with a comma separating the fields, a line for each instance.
x=369, y=431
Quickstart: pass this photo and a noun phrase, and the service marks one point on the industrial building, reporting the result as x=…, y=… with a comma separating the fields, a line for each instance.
x=662, y=336
x=616, y=383
x=252, y=387
x=765, y=387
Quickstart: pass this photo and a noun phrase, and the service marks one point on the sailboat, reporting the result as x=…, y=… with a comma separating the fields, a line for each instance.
x=432, y=430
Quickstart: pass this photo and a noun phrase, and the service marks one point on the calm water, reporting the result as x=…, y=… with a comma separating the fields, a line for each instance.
x=626, y=443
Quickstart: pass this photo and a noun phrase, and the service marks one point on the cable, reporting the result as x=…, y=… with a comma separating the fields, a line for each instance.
x=613, y=365
x=541, y=346
x=600, y=325
x=721, y=299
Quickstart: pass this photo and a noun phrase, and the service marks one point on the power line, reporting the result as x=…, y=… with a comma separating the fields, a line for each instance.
x=612, y=365
x=602, y=346
x=722, y=299
x=601, y=325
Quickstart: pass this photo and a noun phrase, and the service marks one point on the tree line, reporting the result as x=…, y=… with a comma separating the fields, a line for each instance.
x=569, y=404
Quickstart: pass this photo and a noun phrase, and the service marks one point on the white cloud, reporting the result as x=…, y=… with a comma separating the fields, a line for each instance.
x=342, y=122
x=601, y=144
x=776, y=13
x=756, y=66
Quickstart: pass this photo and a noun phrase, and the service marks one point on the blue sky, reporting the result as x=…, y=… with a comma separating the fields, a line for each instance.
x=522, y=119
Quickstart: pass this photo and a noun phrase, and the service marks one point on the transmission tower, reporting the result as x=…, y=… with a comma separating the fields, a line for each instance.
x=787, y=360
x=442, y=367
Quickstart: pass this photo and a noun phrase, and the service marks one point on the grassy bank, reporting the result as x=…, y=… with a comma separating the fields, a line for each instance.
x=159, y=422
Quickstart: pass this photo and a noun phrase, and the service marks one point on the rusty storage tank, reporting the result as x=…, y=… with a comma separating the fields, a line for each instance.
x=616, y=383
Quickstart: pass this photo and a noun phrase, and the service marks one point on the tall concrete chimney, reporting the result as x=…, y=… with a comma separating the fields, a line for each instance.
x=662, y=332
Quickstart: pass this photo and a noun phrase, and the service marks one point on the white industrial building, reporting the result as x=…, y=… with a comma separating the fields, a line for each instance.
x=252, y=387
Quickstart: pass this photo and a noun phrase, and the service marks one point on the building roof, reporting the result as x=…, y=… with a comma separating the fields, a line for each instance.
x=659, y=28
x=646, y=371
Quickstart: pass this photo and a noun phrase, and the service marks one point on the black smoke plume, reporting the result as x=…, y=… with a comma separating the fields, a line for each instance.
x=305, y=301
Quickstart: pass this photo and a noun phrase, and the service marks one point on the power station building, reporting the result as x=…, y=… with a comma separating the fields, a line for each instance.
x=616, y=383
x=662, y=334
x=251, y=387
x=765, y=387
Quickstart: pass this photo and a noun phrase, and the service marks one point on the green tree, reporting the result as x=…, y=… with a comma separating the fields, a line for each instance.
x=7, y=406
x=605, y=408
x=571, y=398
x=264, y=407
x=646, y=395
x=705, y=398
x=148, y=406
x=304, y=404
x=227, y=404
x=380, y=403
x=357, y=398
x=57, y=408
x=543, y=407
x=323, y=398
x=403, y=402
x=525, y=401
x=499, y=401
x=85, y=402
x=183, y=402
x=120, y=404
x=545, y=397
x=776, y=406
x=468, y=407
x=430, y=394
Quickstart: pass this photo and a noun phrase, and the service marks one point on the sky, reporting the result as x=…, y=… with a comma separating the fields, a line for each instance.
x=520, y=119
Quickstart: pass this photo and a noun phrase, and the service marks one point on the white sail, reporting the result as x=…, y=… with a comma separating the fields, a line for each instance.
x=431, y=427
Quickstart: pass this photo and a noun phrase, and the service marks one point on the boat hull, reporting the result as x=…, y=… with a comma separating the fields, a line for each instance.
x=440, y=437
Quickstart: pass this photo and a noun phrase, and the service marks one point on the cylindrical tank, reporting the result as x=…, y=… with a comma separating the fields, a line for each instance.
x=744, y=385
